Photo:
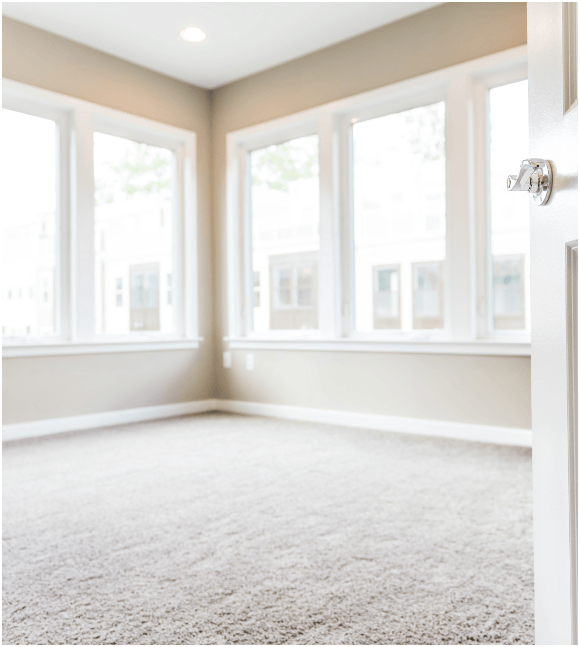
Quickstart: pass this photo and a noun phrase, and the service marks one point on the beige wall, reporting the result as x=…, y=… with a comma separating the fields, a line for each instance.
x=484, y=390
x=51, y=387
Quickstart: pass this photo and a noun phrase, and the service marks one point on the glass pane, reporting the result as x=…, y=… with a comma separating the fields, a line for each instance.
x=399, y=216
x=285, y=237
x=508, y=292
x=510, y=223
x=29, y=225
x=387, y=298
x=427, y=295
x=133, y=235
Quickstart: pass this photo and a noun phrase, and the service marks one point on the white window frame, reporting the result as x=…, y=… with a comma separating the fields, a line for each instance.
x=75, y=286
x=484, y=82
x=467, y=296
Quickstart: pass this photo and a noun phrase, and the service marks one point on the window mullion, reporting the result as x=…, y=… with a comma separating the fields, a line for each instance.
x=481, y=211
x=246, y=273
x=346, y=256
x=82, y=228
x=189, y=250
x=460, y=290
x=328, y=269
x=64, y=228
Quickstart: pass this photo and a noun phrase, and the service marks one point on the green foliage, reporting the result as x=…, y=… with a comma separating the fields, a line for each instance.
x=425, y=133
x=420, y=131
x=143, y=170
x=276, y=166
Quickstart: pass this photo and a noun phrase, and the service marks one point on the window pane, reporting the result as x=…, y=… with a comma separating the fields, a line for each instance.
x=508, y=292
x=399, y=219
x=29, y=225
x=133, y=235
x=387, y=310
x=510, y=224
x=285, y=237
x=427, y=295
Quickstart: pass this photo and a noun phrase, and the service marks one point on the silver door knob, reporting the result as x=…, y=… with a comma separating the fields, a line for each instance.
x=535, y=177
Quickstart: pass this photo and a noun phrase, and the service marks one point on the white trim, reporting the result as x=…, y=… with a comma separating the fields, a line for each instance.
x=72, y=348
x=463, y=87
x=106, y=419
x=78, y=120
x=481, y=347
x=437, y=428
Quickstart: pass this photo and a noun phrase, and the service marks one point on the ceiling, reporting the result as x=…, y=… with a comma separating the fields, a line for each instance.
x=242, y=37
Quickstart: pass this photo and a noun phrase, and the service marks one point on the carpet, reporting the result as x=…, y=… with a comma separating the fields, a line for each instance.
x=221, y=529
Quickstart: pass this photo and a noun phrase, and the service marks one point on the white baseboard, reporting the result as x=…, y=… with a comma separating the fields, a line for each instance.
x=107, y=419
x=462, y=431
x=458, y=430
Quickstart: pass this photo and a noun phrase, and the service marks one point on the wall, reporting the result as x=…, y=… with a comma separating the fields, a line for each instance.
x=473, y=389
x=50, y=387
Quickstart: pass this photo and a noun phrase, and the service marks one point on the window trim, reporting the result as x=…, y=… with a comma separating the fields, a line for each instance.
x=77, y=120
x=463, y=87
x=482, y=158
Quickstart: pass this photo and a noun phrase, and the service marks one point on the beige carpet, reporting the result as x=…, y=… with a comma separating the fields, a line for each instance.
x=228, y=529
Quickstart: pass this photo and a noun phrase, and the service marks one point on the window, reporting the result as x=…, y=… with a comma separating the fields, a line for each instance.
x=293, y=296
x=256, y=301
x=133, y=200
x=386, y=297
x=169, y=293
x=427, y=295
x=382, y=221
x=29, y=224
x=509, y=218
x=399, y=211
x=284, y=222
x=85, y=251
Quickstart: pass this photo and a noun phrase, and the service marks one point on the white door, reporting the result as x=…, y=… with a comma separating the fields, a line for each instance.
x=552, y=73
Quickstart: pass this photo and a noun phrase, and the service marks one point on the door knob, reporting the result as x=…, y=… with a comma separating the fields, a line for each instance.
x=535, y=177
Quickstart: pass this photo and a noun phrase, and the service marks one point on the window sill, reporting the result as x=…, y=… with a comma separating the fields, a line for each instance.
x=441, y=347
x=37, y=349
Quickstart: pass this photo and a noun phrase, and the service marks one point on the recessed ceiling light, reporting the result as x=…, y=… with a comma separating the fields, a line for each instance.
x=193, y=34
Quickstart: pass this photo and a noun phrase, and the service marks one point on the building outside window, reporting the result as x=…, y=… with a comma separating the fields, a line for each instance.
x=428, y=295
x=285, y=229
x=509, y=217
x=103, y=208
x=399, y=213
x=133, y=221
x=387, y=297
x=293, y=292
x=29, y=224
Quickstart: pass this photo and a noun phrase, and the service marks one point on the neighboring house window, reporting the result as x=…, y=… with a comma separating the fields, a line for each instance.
x=427, y=295
x=144, y=311
x=119, y=293
x=386, y=297
x=401, y=198
x=399, y=206
x=509, y=218
x=293, y=292
x=509, y=292
x=256, y=301
x=99, y=205
x=29, y=222
x=285, y=217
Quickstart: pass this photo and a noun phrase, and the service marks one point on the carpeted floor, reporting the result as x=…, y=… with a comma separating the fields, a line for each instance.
x=221, y=529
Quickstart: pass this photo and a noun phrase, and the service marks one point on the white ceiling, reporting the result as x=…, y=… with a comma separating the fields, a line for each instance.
x=242, y=37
